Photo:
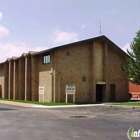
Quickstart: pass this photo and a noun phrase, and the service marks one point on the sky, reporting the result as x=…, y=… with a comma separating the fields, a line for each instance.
x=35, y=25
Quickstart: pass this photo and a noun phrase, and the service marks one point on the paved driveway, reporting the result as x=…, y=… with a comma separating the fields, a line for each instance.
x=84, y=123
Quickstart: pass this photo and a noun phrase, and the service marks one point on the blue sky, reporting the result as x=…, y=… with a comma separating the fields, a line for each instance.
x=40, y=24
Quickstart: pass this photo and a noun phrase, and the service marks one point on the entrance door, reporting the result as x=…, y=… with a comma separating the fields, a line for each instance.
x=112, y=92
x=0, y=91
x=99, y=93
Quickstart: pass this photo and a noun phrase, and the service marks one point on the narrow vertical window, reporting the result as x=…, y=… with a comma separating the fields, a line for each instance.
x=46, y=59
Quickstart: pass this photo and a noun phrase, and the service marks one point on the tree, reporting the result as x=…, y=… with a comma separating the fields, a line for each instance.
x=132, y=68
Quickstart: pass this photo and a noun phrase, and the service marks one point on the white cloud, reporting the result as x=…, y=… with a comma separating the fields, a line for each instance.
x=83, y=26
x=63, y=37
x=126, y=47
x=0, y=16
x=3, y=31
x=8, y=50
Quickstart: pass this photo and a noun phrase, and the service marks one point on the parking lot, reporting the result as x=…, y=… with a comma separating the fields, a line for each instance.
x=81, y=123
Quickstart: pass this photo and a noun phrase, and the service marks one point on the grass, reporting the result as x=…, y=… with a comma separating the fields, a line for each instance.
x=35, y=102
x=48, y=104
x=131, y=103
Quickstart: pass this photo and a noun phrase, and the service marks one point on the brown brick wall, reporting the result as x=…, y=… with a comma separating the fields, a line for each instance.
x=115, y=74
x=83, y=64
x=17, y=79
x=34, y=78
x=29, y=77
x=74, y=69
x=134, y=87
x=2, y=80
x=11, y=80
x=6, y=69
x=21, y=80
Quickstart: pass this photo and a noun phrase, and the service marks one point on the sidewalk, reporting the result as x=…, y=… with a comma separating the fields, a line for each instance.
x=43, y=106
x=28, y=105
x=16, y=103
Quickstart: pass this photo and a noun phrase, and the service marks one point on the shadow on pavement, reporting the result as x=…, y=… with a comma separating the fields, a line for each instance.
x=6, y=109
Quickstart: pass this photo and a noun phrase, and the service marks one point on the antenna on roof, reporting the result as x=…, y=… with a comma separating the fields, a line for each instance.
x=100, y=28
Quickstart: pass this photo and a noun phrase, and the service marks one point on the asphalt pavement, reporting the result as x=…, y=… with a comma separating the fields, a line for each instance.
x=77, y=123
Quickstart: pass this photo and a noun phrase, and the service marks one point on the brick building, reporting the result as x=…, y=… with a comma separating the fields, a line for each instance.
x=92, y=65
x=134, y=90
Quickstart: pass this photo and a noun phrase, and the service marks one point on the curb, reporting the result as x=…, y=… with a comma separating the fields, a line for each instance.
x=65, y=106
x=43, y=106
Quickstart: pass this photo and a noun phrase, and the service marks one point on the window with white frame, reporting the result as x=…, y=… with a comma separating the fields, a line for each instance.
x=46, y=59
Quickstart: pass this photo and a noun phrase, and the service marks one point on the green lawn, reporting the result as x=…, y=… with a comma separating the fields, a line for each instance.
x=131, y=103
x=136, y=103
x=39, y=103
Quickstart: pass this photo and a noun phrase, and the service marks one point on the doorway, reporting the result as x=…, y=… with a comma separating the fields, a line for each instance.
x=112, y=92
x=99, y=92
x=0, y=91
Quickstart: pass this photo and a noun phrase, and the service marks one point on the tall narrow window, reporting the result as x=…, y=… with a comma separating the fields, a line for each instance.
x=46, y=59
